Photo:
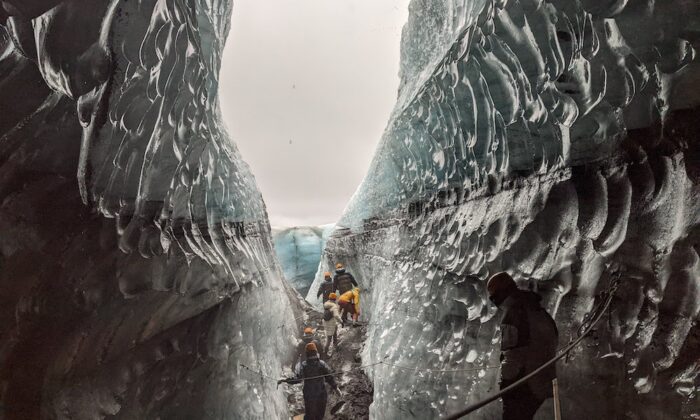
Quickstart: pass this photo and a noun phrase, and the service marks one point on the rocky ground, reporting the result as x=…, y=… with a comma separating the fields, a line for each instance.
x=355, y=388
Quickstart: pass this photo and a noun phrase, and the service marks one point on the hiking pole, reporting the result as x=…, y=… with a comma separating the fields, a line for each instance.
x=555, y=394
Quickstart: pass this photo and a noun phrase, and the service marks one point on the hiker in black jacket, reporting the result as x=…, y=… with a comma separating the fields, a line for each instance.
x=315, y=395
x=529, y=338
x=327, y=287
x=309, y=336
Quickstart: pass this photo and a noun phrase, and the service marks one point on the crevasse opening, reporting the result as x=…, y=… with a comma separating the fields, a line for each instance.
x=552, y=139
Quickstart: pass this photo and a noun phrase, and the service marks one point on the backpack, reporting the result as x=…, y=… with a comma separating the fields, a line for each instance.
x=327, y=314
x=344, y=283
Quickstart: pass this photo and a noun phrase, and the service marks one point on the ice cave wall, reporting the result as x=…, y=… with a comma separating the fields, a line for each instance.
x=556, y=140
x=299, y=251
x=137, y=288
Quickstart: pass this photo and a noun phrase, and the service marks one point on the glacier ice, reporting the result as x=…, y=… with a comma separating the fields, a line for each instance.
x=143, y=303
x=525, y=90
x=299, y=252
x=556, y=140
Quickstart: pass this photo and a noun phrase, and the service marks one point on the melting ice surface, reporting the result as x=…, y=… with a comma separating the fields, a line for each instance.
x=556, y=140
x=144, y=301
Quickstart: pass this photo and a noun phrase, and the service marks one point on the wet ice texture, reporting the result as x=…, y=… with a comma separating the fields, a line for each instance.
x=148, y=319
x=299, y=252
x=557, y=140
x=531, y=87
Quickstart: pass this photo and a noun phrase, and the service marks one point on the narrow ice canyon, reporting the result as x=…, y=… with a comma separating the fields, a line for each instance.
x=556, y=139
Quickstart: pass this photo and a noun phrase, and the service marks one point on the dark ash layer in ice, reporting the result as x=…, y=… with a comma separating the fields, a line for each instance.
x=556, y=140
x=143, y=303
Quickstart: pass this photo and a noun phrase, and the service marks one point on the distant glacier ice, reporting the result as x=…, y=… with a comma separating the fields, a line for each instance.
x=299, y=252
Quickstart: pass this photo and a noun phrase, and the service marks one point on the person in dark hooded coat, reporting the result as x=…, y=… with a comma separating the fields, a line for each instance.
x=309, y=336
x=326, y=288
x=315, y=373
x=529, y=338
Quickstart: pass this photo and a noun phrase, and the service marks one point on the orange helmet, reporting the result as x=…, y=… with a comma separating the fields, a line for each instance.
x=339, y=266
x=327, y=274
x=332, y=296
x=308, y=330
x=311, y=348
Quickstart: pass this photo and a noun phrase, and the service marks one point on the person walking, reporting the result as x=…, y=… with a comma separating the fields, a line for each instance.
x=343, y=281
x=309, y=337
x=529, y=338
x=331, y=318
x=326, y=288
x=314, y=372
x=347, y=302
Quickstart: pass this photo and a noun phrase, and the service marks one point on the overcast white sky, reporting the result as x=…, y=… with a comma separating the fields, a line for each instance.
x=306, y=89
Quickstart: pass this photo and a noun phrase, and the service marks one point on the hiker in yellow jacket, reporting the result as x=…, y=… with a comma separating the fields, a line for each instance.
x=349, y=302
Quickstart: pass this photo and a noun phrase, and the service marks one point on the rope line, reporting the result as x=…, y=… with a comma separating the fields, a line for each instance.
x=441, y=370
x=591, y=323
x=381, y=362
x=258, y=372
x=340, y=372
x=590, y=320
